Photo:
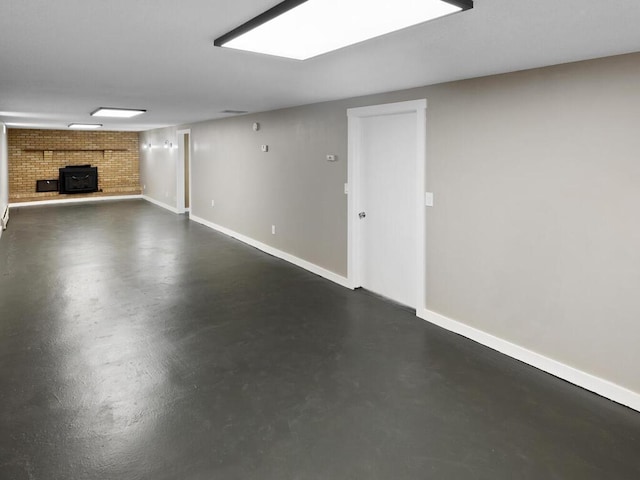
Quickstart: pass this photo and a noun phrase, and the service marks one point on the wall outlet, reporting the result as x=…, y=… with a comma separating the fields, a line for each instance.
x=264, y=148
x=346, y=189
x=273, y=229
x=428, y=199
x=332, y=158
x=213, y=203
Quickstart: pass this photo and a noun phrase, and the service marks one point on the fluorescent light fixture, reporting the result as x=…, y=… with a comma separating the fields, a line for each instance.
x=303, y=29
x=84, y=126
x=39, y=116
x=26, y=125
x=117, y=112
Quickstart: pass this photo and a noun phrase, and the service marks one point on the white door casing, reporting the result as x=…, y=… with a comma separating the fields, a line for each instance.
x=375, y=135
x=180, y=170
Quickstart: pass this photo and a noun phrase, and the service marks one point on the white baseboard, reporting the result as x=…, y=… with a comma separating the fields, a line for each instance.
x=73, y=200
x=582, y=379
x=572, y=375
x=4, y=219
x=313, y=268
x=160, y=204
x=585, y=380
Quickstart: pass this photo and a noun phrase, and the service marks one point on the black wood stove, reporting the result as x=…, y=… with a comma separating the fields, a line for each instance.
x=78, y=179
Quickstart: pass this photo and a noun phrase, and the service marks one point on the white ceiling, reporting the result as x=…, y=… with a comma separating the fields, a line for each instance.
x=59, y=60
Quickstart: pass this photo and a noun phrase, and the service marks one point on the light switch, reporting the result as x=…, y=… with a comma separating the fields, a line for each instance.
x=428, y=199
x=265, y=148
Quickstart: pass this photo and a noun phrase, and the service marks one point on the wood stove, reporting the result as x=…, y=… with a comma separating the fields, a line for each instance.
x=78, y=179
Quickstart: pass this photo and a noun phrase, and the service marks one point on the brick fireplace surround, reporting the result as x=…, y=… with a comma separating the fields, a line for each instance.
x=38, y=154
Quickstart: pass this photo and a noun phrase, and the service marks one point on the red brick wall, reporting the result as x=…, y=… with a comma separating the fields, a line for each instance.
x=38, y=154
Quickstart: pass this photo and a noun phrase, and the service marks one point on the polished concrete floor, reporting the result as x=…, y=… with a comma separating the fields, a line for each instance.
x=135, y=344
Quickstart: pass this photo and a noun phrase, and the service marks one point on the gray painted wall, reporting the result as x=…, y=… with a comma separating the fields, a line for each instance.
x=292, y=186
x=158, y=166
x=4, y=170
x=534, y=235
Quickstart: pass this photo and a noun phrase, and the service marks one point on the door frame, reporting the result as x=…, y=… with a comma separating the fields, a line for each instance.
x=180, y=171
x=355, y=160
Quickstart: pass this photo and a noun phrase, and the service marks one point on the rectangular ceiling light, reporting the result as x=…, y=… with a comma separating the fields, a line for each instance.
x=84, y=126
x=117, y=112
x=302, y=29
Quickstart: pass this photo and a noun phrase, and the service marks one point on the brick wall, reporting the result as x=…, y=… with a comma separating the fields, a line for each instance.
x=38, y=154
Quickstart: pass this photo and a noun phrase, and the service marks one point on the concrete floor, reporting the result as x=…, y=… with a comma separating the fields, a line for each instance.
x=135, y=344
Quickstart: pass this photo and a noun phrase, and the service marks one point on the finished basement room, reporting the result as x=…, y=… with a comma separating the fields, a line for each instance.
x=319, y=240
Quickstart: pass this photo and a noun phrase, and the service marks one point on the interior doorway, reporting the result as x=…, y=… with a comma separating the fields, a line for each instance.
x=387, y=165
x=183, y=171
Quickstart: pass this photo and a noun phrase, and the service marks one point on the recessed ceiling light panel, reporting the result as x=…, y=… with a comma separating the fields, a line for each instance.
x=302, y=29
x=84, y=126
x=117, y=112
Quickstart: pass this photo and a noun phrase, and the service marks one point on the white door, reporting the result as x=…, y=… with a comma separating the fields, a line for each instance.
x=388, y=230
x=387, y=237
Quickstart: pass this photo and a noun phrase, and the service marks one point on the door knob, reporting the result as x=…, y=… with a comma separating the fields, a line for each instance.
x=362, y=215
